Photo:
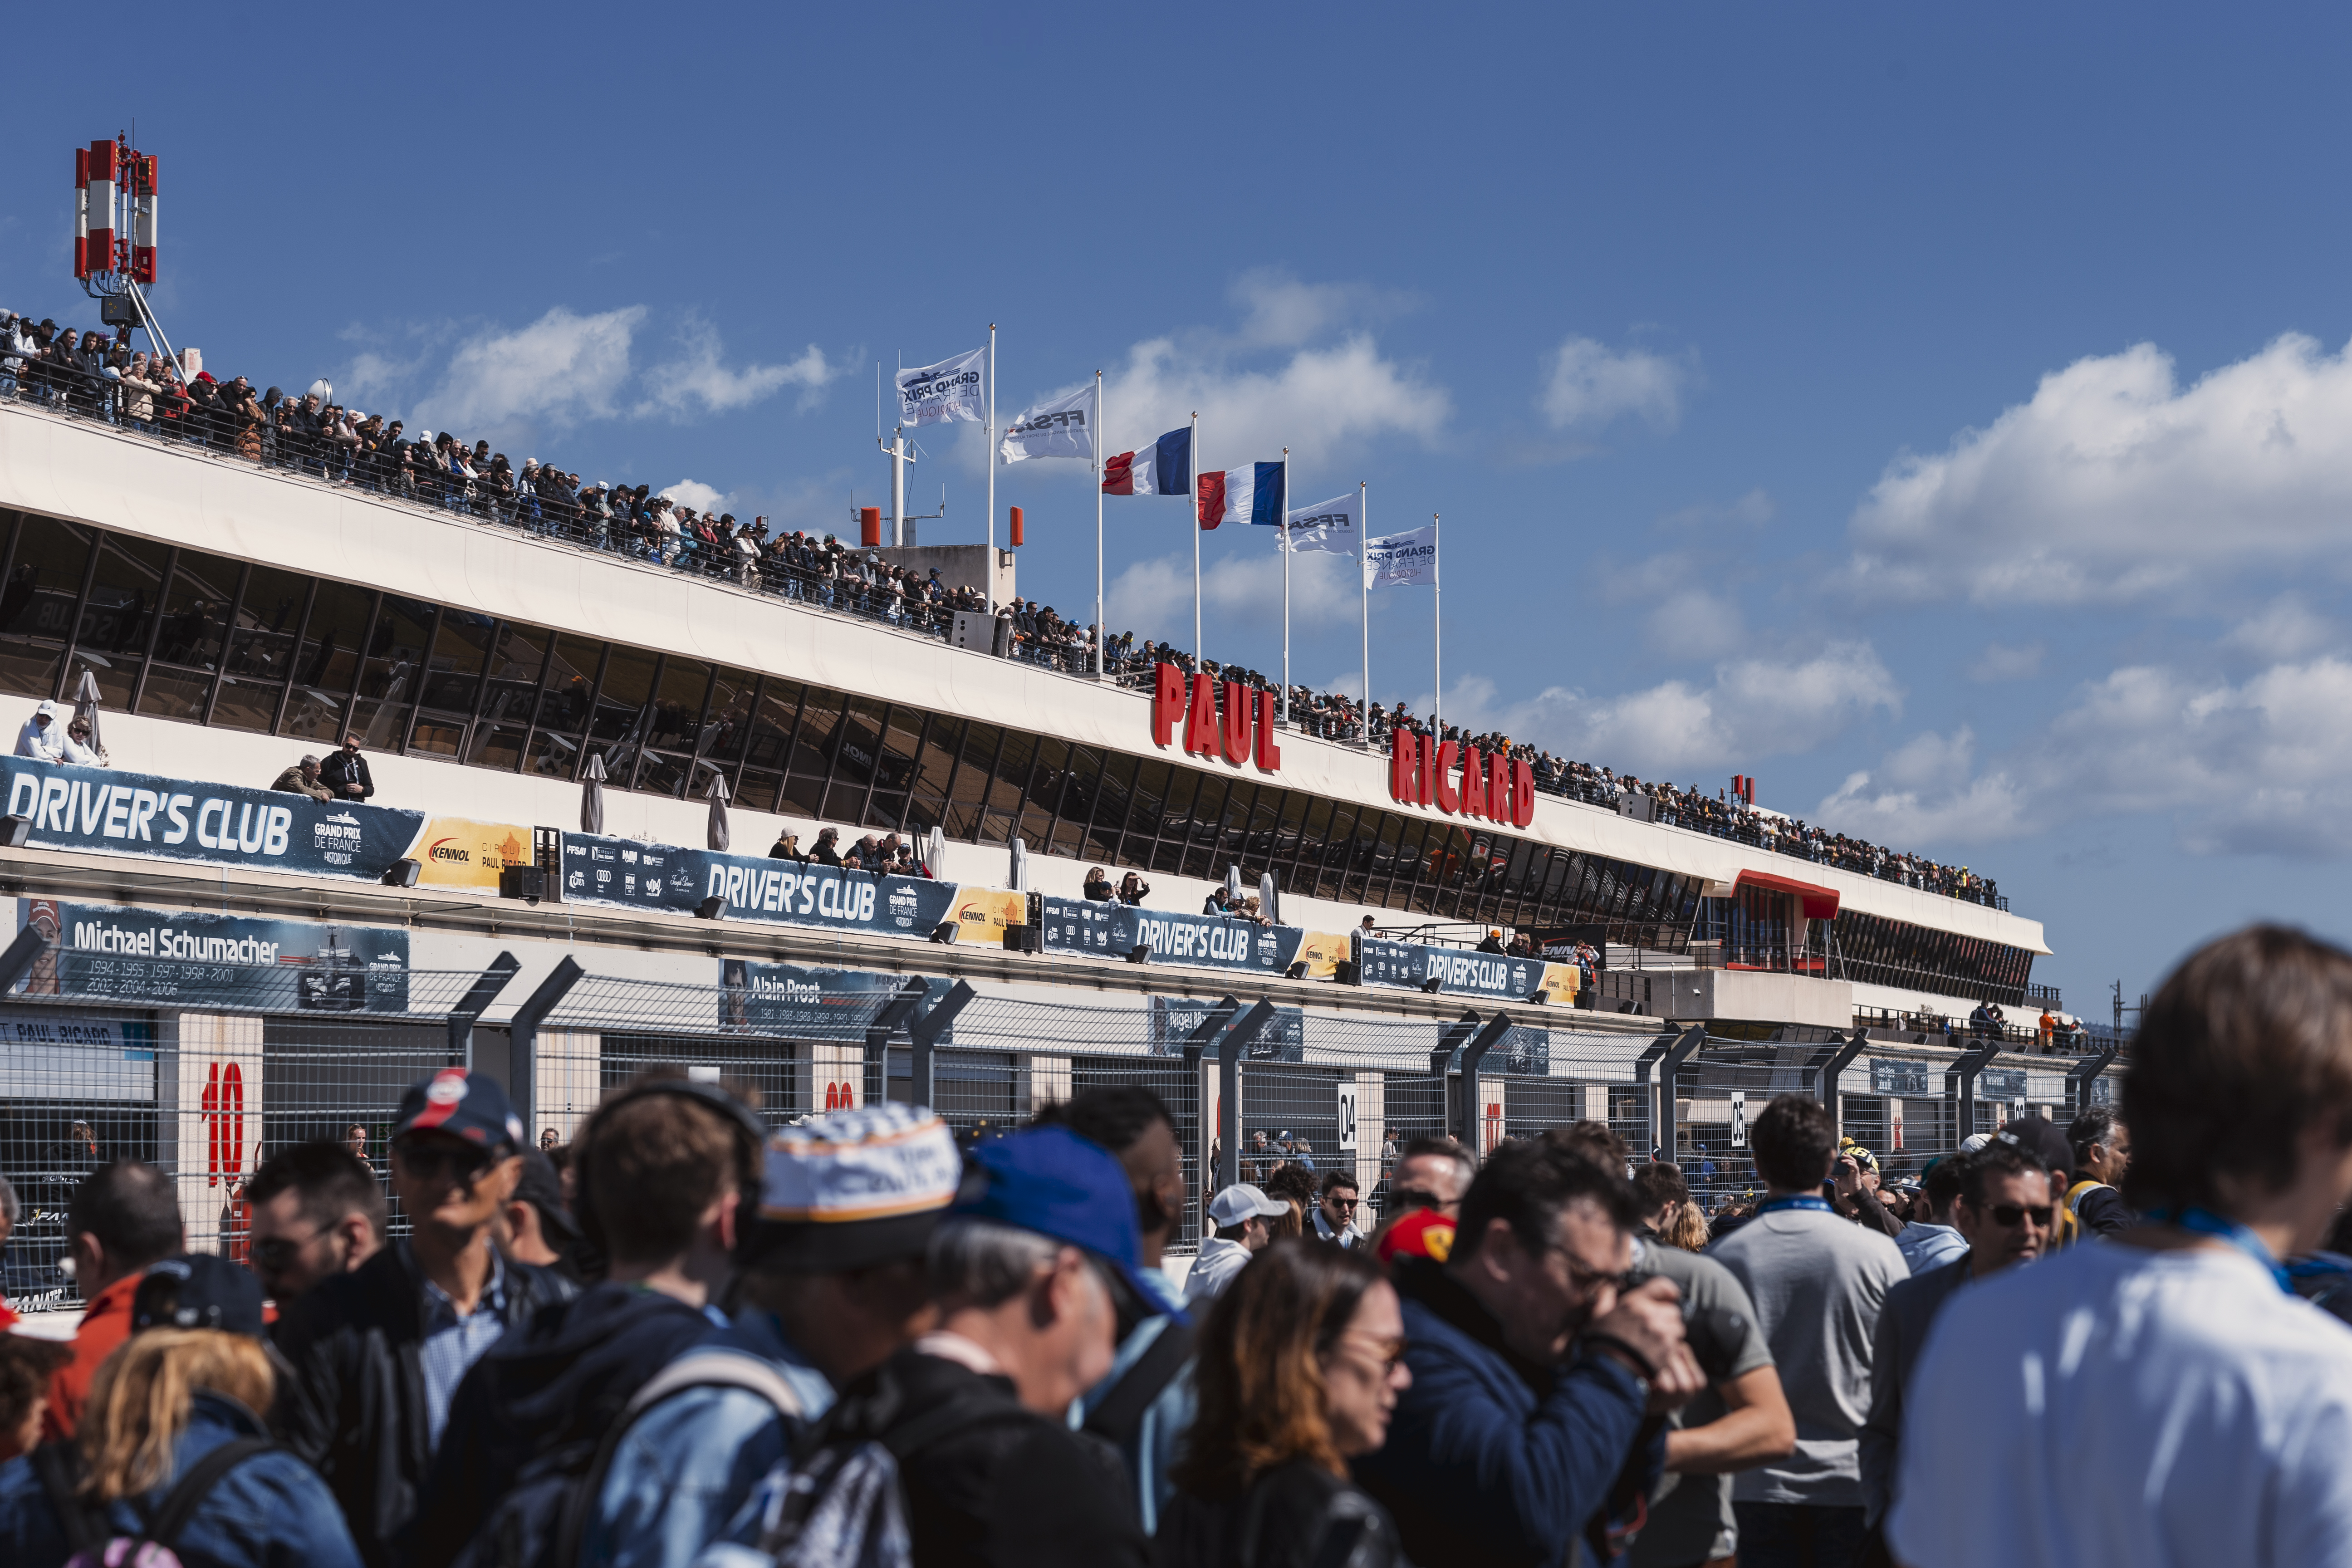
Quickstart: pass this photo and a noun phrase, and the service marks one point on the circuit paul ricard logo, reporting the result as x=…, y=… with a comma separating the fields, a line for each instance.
x=902, y=906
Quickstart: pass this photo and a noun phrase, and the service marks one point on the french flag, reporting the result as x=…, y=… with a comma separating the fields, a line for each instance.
x=1251, y=493
x=1162, y=469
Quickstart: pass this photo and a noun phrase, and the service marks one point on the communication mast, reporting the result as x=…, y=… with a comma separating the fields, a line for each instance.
x=114, y=249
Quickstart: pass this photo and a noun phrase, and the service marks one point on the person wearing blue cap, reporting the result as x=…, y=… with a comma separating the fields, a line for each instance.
x=1030, y=1269
x=378, y=1352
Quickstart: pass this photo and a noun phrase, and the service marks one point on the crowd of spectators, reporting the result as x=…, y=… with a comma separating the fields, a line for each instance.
x=96, y=375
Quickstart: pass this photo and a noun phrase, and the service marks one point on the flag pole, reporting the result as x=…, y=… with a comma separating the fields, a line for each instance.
x=1364, y=589
x=1437, y=608
x=1194, y=484
x=1282, y=537
x=988, y=567
x=1098, y=531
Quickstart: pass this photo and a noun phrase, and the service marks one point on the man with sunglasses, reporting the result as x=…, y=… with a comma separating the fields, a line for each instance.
x=317, y=1212
x=378, y=1352
x=1336, y=1210
x=2003, y=1212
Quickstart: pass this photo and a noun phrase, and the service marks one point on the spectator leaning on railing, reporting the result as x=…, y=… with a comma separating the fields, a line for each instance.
x=302, y=778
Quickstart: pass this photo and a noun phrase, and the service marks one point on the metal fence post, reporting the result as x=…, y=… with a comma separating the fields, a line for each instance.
x=1486, y=1039
x=1230, y=1051
x=1669, y=1069
x=1456, y=1035
x=880, y=1029
x=469, y=1008
x=1641, y=1066
x=1828, y=1062
x=924, y=1033
x=2079, y=1077
x=522, y=1037
x=1194, y=1047
x=1961, y=1080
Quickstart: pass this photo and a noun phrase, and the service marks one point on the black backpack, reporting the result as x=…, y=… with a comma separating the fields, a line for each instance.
x=89, y=1532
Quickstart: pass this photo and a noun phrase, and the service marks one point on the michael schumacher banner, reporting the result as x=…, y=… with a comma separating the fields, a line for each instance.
x=1461, y=972
x=1200, y=942
x=107, y=812
x=128, y=953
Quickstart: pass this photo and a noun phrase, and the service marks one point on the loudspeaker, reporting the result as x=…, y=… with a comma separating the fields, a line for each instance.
x=525, y=882
x=1347, y=974
x=945, y=931
x=403, y=874
x=1023, y=939
x=1143, y=953
x=709, y=909
x=15, y=831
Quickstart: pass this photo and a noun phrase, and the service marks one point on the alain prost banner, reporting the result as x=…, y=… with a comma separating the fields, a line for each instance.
x=103, y=811
x=1461, y=972
x=808, y=1002
x=164, y=956
x=625, y=874
x=1112, y=930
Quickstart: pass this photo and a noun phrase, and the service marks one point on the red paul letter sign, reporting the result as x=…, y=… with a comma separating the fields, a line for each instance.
x=1269, y=755
x=1200, y=723
x=1167, y=702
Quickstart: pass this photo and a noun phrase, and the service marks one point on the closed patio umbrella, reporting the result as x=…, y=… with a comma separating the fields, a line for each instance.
x=719, y=836
x=85, y=701
x=592, y=795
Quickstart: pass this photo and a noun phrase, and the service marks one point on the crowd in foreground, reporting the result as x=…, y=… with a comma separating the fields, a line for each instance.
x=100, y=376
x=684, y=1340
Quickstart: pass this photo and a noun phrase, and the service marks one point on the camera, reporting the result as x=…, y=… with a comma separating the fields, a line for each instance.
x=1715, y=1335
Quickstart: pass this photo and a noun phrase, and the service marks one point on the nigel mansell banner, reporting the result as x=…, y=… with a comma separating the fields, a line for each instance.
x=626, y=874
x=1201, y=942
x=123, y=953
x=108, y=812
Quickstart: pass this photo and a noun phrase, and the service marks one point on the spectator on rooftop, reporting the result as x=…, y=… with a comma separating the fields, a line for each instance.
x=302, y=778
x=345, y=772
x=43, y=737
x=1133, y=890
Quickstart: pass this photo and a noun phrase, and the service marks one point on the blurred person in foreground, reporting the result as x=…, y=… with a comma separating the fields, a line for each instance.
x=1819, y=1281
x=1932, y=1239
x=2165, y=1398
x=1241, y=1214
x=172, y=1449
x=831, y=1283
x=123, y=1217
x=1303, y=1363
x=2004, y=1211
x=317, y=1211
x=1535, y=1380
x=1432, y=1173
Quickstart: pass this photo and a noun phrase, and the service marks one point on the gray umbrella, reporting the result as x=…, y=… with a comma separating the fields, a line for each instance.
x=85, y=701
x=719, y=836
x=592, y=795
x=1269, y=897
x=1234, y=886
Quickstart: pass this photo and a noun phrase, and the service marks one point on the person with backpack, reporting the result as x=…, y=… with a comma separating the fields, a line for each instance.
x=172, y=1463
x=831, y=1282
x=378, y=1352
x=1144, y=1405
x=970, y=1425
x=662, y=1170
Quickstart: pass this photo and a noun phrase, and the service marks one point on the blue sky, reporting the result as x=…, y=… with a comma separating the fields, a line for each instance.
x=1942, y=416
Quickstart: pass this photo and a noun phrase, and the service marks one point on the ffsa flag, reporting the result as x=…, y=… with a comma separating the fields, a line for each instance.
x=953, y=389
x=1402, y=557
x=1065, y=428
x=1334, y=525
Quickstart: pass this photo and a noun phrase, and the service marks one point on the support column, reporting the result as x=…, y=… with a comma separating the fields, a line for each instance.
x=215, y=1135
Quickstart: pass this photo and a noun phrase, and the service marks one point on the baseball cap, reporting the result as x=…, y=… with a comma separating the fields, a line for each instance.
x=1245, y=1201
x=198, y=1291
x=2037, y=1137
x=468, y=1105
x=853, y=1188
x=1862, y=1156
x=540, y=1187
x=1423, y=1232
x=1059, y=1184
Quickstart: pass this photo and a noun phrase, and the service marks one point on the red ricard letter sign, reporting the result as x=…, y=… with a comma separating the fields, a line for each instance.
x=1458, y=780
x=1243, y=733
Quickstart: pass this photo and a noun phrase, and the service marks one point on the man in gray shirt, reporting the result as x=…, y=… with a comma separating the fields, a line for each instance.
x=1818, y=1282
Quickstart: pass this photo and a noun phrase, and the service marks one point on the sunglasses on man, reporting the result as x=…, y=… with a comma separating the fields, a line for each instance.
x=2010, y=1216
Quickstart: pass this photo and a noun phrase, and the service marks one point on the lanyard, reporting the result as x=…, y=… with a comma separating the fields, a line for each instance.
x=2205, y=1222
x=1797, y=1201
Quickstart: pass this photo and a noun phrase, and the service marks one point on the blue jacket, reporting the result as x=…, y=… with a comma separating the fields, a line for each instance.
x=688, y=1462
x=1496, y=1464
x=271, y=1511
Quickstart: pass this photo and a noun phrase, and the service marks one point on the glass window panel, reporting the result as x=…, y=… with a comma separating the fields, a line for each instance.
x=727, y=724
x=885, y=809
x=1175, y=823
x=616, y=725
x=196, y=611
x=269, y=616
x=389, y=671
x=111, y=637
x=1290, y=838
x=552, y=755
x=935, y=758
x=675, y=731
x=1112, y=795
x=772, y=726
x=1049, y=780
x=247, y=704
x=499, y=746
x=1147, y=804
x=970, y=795
x=453, y=675
x=857, y=759
x=1336, y=839
x=923, y=813
x=1399, y=867
x=517, y=656
x=1206, y=824
x=1263, y=847
x=181, y=694
x=820, y=722
x=1006, y=787
x=567, y=692
x=1363, y=848
x=37, y=608
x=760, y=789
x=1075, y=807
x=327, y=660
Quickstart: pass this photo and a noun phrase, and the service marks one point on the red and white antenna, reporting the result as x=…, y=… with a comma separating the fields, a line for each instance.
x=114, y=233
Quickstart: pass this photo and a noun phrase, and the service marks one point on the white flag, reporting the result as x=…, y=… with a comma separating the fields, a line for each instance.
x=1402, y=557
x=953, y=389
x=1065, y=428
x=1334, y=525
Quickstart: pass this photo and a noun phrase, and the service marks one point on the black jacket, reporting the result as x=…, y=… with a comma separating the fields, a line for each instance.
x=1000, y=1488
x=342, y=768
x=353, y=1408
x=1294, y=1516
x=560, y=1382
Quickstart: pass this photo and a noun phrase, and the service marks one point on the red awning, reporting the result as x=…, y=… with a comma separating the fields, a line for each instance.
x=1821, y=903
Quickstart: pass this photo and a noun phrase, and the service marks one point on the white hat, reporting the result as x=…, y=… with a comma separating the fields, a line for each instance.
x=1243, y=1202
x=49, y=709
x=1974, y=1142
x=852, y=1187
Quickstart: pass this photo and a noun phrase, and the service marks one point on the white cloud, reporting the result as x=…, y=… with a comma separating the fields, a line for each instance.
x=697, y=376
x=1588, y=386
x=1696, y=623
x=2008, y=661
x=696, y=494
x=2286, y=628
x=559, y=369
x=1284, y=312
x=2114, y=483
x=1753, y=510
x=1154, y=597
x=1752, y=708
x=1324, y=403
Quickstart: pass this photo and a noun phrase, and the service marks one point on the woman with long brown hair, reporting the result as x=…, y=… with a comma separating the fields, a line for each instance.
x=1299, y=1367
x=166, y=1401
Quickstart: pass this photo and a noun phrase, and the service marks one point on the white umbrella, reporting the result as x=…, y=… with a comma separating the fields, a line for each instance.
x=592, y=795
x=935, y=852
x=1020, y=866
x=1269, y=897
x=85, y=701
x=719, y=836
x=1234, y=886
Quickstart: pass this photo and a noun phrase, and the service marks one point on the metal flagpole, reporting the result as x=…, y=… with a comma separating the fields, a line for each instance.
x=1282, y=517
x=1193, y=480
x=1437, y=609
x=988, y=567
x=1364, y=585
x=1099, y=534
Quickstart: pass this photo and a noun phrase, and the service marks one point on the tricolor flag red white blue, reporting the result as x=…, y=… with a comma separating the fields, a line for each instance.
x=1251, y=493
x=1162, y=469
